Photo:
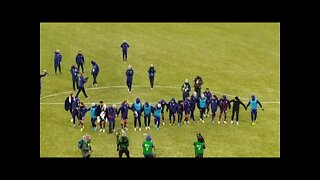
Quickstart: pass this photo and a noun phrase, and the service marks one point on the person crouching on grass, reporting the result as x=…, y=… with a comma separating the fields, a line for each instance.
x=124, y=108
x=199, y=146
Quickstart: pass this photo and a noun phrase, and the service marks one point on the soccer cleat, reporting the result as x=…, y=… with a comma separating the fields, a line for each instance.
x=96, y=85
x=140, y=129
x=146, y=128
x=212, y=122
x=88, y=97
x=231, y=122
x=129, y=92
x=158, y=129
x=185, y=122
x=188, y=122
x=151, y=89
x=218, y=122
x=225, y=122
x=135, y=129
x=237, y=123
x=92, y=85
x=126, y=128
x=100, y=130
x=169, y=124
x=74, y=125
x=71, y=120
x=163, y=123
x=173, y=124
x=81, y=129
x=103, y=130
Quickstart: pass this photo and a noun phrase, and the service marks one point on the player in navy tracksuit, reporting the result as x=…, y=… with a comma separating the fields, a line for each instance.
x=172, y=107
x=214, y=103
x=163, y=104
x=41, y=76
x=187, y=109
x=75, y=108
x=157, y=113
x=193, y=102
x=137, y=110
x=57, y=61
x=180, y=111
x=82, y=81
x=81, y=114
x=112, y=113
x=80, y=60
x=202, y=106
x=253, y=102
x=146, y=108
x=124, y=113
x=94, y=72
x=224, y=104
x=75, y=79
x=235, y=108
x=68, y=104
x=129, y=74
x=124, y=46
x=152, y=73
x=185, y=88
x=208, y=95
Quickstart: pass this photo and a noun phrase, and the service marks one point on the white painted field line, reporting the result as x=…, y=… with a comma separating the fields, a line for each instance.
x=143, y=86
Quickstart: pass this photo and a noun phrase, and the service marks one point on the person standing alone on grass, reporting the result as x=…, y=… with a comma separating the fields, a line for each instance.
x=75, y=78
x=57, y=61
x=124, y=46
x=94, y=72
x=41, y=76
x=253, y=102
x=129, y=75
x=199, y=146
x=235, y=108
x=152, y=73
x=80, y=60
x=81, y=85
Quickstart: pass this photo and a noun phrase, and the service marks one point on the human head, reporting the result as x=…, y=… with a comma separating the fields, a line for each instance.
x=129, y=67
x=173, y=99
x=194, y=94
x=159, y=106
x=202, y=96
x=151, y=65
x=148, y=138
x=146, y=103
x=93, y=105
x=186, y=81
x=137, y=100
x=207, y=89
x=124, y=41
x=236, y=98
x=114, y=106
x=253, y=97
x=79, y=52
x=57, y=51
x=93, y=62
x=101, y=102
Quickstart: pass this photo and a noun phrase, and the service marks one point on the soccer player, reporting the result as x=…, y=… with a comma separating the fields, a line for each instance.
x=68, y=104
x=235, y=108
x=180, y=111
x=202, y=106
x=81, y=114
x=185, y=88
x=137, y=110
x=163, y=104
x=129, y=74
x=254, y=110
x=57, y=61
x=112, y=112
x=147, y=107
x=214, y=103
x=199, y=146
x=187, y=109
x=124, y=47
x=81, y=85
x=208, y=95
x=84, y=144
x=197, y=82
x=122, y=145
x=193, y=102
x=94, y=72
x=152, y=74
x=124, y=108
x=93, y=116
x=80, y=60
x=157, y=113
x=224, y=104
x=75, y=110
x=75, y=79
x=41, y=76
x=172, y=107
x=102, y=112
x=147, y=147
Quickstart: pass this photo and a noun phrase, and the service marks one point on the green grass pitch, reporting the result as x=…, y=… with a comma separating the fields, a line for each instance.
x=232, y=58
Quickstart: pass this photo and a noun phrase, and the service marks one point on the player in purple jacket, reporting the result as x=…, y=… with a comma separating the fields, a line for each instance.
x=208, y=95
x=129, y=74
x=163, y=104
x=81, y=114
x=187, y=109
x=224, y=104
x=112, y=113
x=124, y=46
x=214, y=103
x=193, y=103
x=80, y=60
x=124, y=108
x=75, y=108
x=180, y=112
x=57, y=61
x=172, y=107
x=82, y=82
x=94, y=72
